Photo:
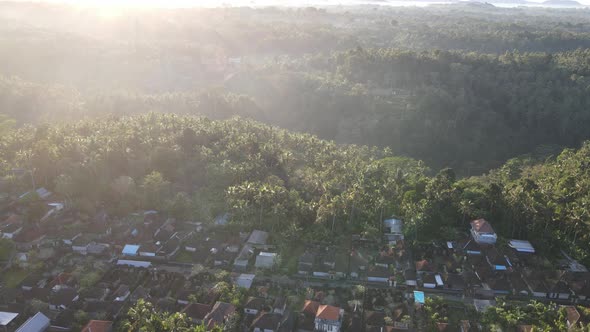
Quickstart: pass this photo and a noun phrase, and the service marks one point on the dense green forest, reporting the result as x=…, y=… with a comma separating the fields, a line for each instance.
x=463, y=86
x=294, y=184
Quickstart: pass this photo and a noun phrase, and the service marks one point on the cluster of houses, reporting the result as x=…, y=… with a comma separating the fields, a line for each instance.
x=152, y=257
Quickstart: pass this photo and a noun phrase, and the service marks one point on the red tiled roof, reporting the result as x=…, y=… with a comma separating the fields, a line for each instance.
x=328, y=312
x=310, y=307
x=482, y=226
x=423, y=265
x=98, y=326
x=61, y=279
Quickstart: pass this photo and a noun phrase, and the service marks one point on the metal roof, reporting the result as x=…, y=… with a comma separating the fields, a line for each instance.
x=521, y=246
x=7, y=317
x=130, y=249
x=37, y=323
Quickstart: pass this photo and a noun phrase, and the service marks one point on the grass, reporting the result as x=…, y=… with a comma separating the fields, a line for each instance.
x=13, y=277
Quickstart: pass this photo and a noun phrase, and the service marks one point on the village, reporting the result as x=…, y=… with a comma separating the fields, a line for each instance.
x=68, y=274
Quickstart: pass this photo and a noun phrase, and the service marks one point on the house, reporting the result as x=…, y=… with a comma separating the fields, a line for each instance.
x=410, y=277
x=29, y=238
x=33, y=281
x=280, y=305
x=465, y=326
x=267, y=322
x=241, y=262
x=538, y=288
x=482, y=232
x=219, y=314
x=98, y=326
x=379, y=275
x=392, y=229
x=62, y=298
x=429, y=280
x=148, y=250
x=519, y=287
x=573, y=316
x=245, y=280
x=471, y=247
x=11, y=230
x=265, y=260
x=130, y=250
x=522, y=246
x=183, y=296
x=500, y=286
x=124, y=262
x=94, y=294
x=140, y=293
x=68, y=237
x=253, y=305
x=374, y=319
x=310, y=307
x=63, y=279
x=305, y=263
x=94, y=248
x=328, y=318
x=559, y=291
x=222, y=219
x=6, y=318
x=454, y=282
x=424, y=266
x=496, y=260
x=196, y=312
x=38, y=323
x=121, y=293
x=358, y=264
x=257, y=238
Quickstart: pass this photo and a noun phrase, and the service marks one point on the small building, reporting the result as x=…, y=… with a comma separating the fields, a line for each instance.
x=305, y=263
x=482, y=232
x=522, y=246
x=11, y=230
x=98, y=326
x=379, y=275
x=62, y=298
x=573, y=316
x=219, y=314
x=38, y=323
x=266, y=322
x=393, y=230
x=496, y=260
x=121, y=294
x=245, y=280
x=265, y=260
x=257, y=237
x=130, y=250
x=6, y=318
x=125, y=262
x=253, y=305
x=560, y=291
x=196, y=312
x=328, y=318
x=429, y=280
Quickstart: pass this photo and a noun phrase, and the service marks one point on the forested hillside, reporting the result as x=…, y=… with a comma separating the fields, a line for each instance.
x=295, y=184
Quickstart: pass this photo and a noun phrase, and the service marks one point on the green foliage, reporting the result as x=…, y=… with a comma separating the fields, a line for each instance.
x=6, y=249
x=142, y=317
x=546, y=317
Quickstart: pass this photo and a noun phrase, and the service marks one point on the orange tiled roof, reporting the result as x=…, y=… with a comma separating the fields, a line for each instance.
x=328, y=312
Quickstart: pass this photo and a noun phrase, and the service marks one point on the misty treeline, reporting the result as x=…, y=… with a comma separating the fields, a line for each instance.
x=296, y=185
x=468, y=111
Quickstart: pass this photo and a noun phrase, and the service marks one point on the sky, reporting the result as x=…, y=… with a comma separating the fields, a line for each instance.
x=218, y=3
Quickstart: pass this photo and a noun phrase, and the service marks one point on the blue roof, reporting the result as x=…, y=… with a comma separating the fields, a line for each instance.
x=130, y=249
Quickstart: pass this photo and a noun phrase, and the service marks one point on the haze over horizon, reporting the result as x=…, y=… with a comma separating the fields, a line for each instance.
x=254, y=3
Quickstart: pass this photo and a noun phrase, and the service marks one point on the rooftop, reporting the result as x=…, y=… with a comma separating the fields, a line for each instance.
x=482, y=226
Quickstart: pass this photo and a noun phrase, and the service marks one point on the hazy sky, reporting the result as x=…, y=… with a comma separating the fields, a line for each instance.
x=216, y=3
